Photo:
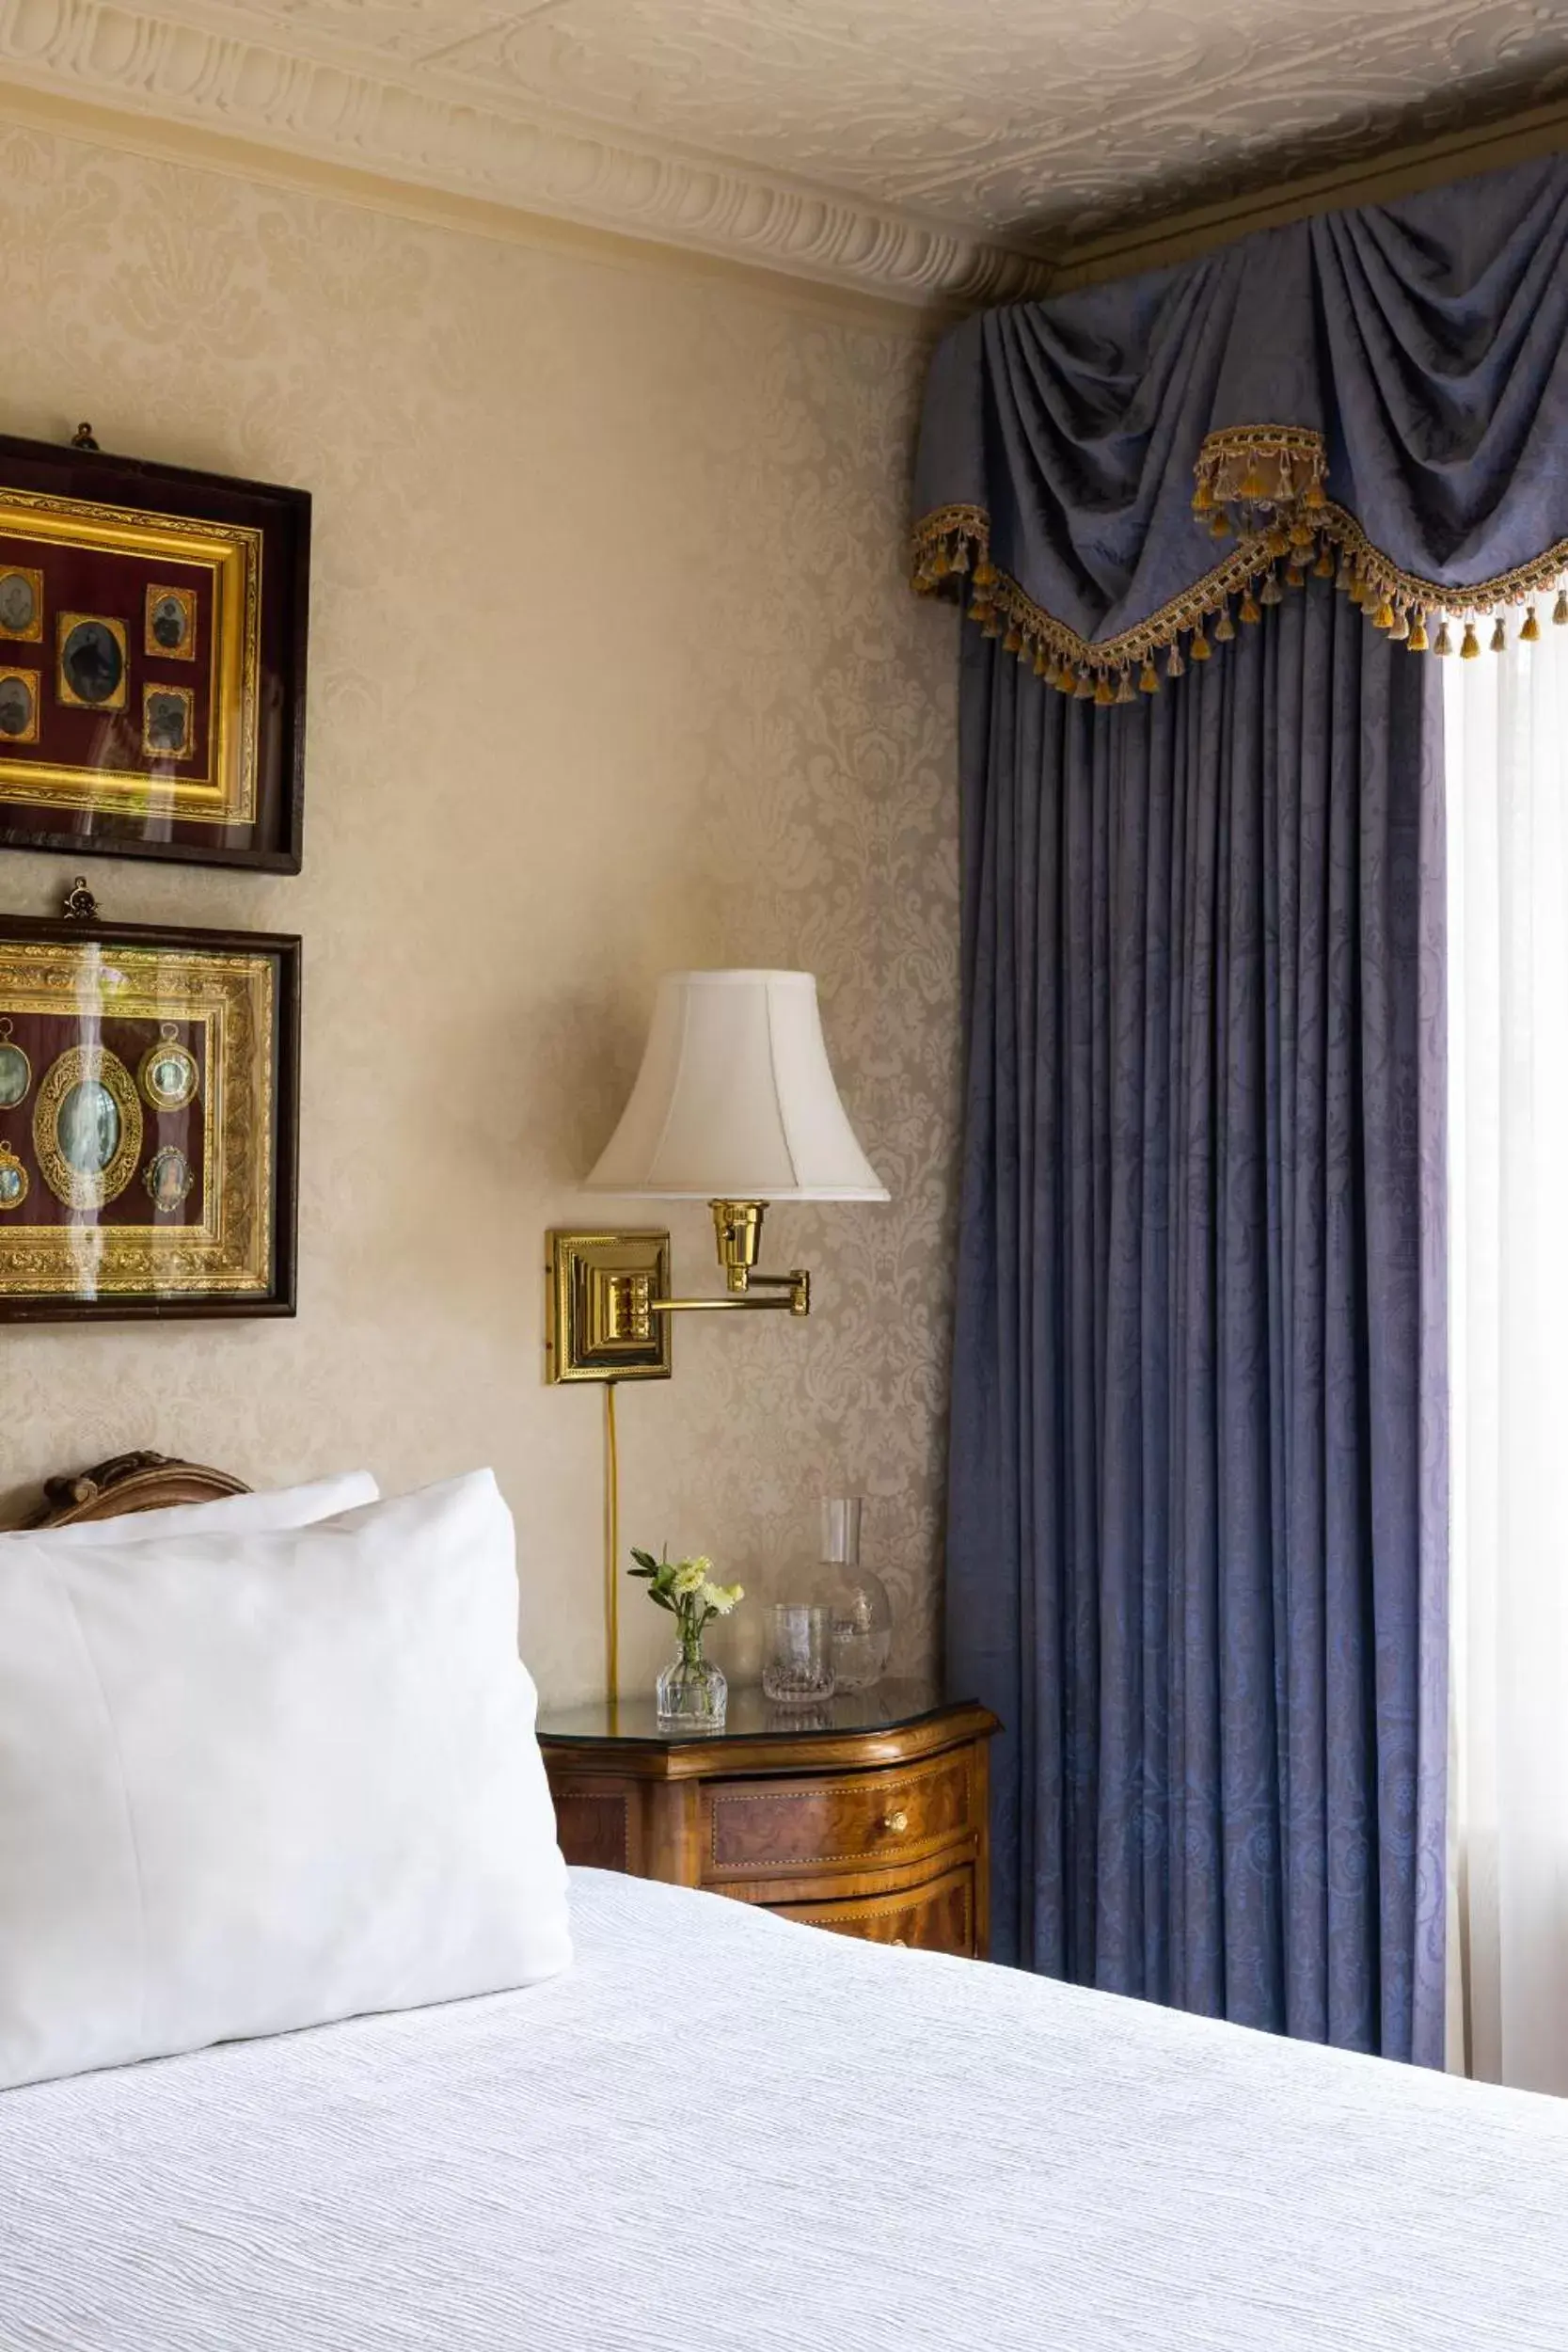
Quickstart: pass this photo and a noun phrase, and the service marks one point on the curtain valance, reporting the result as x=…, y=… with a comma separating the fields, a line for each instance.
x=1378, y=395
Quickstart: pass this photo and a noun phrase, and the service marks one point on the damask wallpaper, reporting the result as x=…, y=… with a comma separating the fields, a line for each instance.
x=613, y=669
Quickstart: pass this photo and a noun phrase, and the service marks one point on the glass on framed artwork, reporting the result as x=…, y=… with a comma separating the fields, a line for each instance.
x=147, y=1121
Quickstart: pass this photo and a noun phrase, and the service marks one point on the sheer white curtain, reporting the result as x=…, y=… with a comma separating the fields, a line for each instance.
x=1507, y=760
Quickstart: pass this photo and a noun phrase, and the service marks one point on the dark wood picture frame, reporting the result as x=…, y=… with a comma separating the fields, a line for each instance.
x=121, y=547
x=201, y=999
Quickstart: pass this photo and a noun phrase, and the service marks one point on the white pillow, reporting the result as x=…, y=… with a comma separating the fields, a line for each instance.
x=230, y=1514
x=251, y=1782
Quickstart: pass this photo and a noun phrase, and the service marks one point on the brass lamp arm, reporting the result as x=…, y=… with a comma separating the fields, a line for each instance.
x=791, y=1291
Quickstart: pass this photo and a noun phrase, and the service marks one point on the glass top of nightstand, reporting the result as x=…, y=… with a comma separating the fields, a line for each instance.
x=751, y=1715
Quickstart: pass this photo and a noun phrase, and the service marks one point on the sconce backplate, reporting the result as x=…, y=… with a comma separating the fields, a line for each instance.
x=592, y=1328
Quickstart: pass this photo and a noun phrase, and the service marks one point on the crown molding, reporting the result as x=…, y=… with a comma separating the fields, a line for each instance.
x=204, y=78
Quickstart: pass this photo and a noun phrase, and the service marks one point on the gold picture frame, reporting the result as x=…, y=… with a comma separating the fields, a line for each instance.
x=129, y=1203
x=155, y=731
x=152, y=586
x=28, y=680
x=157, y=637
x=79, y=650
x=19, y=625
x=86, y=1127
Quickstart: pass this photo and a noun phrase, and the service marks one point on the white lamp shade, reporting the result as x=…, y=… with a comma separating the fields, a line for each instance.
x=735, y=1100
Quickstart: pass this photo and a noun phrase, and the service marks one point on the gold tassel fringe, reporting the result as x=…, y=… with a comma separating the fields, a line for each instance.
x=952, y=547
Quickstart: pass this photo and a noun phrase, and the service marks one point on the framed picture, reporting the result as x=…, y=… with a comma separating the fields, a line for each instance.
x=149, y=1121
x=152, y=643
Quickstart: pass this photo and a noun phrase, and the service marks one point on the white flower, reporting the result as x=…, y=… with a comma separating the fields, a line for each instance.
x=722, y=1597
x=691, y=1577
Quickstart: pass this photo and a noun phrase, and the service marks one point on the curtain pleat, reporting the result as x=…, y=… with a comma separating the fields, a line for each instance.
x=1192, y=1562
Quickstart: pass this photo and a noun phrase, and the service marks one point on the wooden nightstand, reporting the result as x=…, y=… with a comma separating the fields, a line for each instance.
x=868, y=1815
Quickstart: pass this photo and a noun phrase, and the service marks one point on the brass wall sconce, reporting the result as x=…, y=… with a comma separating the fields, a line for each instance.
x=734, y=1103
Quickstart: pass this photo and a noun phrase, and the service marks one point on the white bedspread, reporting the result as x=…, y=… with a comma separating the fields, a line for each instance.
x=719, y=2130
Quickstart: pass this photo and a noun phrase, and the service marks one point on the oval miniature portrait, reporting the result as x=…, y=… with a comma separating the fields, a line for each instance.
x=19, y=604
x=13, y=1183
x=86, y=1127
x=93, y=661
x=168, y=1179
x=16, y=708
x=16, y=1074
x=169, y=1076
x=169, y=621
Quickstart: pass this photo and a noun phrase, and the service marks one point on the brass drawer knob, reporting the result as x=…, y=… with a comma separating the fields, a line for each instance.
x=897, y=1823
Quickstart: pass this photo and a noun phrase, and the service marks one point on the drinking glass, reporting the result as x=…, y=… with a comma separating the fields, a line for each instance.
x=798, y=1667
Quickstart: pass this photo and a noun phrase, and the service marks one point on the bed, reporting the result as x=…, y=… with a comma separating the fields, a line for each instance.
x=722, y=2132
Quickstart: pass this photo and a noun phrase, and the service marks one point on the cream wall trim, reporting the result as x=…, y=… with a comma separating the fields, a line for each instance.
x=1400, y=171
x=201, y=75
x=107, y=128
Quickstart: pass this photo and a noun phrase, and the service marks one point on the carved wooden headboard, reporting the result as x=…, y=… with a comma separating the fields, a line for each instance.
x=130, y=1482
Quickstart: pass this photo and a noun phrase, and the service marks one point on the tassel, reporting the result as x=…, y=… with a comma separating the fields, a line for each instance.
x=1295, y=576
x=1253, y=484
x=1315, y=494
x=1416, y=641
x=1442, y=643
x=940, y=565
x=1149, y=682
x=1174, y=666
x=1560, y=610
x=1220, y=527
x=1200, y=648
x=1324, y=567
x=1250, y=611
x=1102, y=694
x=1471, y=646
x=1013, y=642
x=1225, y=628
x=1383, y=616
x=1124, y=691
x=1400, y=629
x=1499, y=635
x=1270, y=592
x=1301, y=535
x=1277, y=542
x=1042, y=663
x=985, y=573
x=1203, y=497
x=1345, y=578
x=1082, y=687
x=960, y=556
x=1529, y=632
x=990, y=626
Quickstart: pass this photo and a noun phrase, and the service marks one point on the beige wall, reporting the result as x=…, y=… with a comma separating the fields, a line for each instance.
x=613, y=669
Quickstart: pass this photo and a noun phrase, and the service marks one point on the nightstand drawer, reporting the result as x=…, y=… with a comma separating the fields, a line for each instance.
x=834, y=1822
x=936, y=1917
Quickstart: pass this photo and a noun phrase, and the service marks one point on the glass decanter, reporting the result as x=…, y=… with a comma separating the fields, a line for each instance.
x=858, y=1598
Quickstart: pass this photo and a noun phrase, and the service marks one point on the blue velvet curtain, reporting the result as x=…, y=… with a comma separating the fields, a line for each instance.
x=1198, y=1535
x=1196, y=1550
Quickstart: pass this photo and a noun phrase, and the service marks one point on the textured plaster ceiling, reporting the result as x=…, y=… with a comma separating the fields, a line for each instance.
x=1013, y=118
x=941, y=142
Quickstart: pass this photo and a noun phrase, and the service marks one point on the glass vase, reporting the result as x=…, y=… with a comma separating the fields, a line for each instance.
x=855, y=1597
x=692, y=1693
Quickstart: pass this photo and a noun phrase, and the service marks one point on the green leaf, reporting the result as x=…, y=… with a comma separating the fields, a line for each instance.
x=645, y=1560
x=663, y=1600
